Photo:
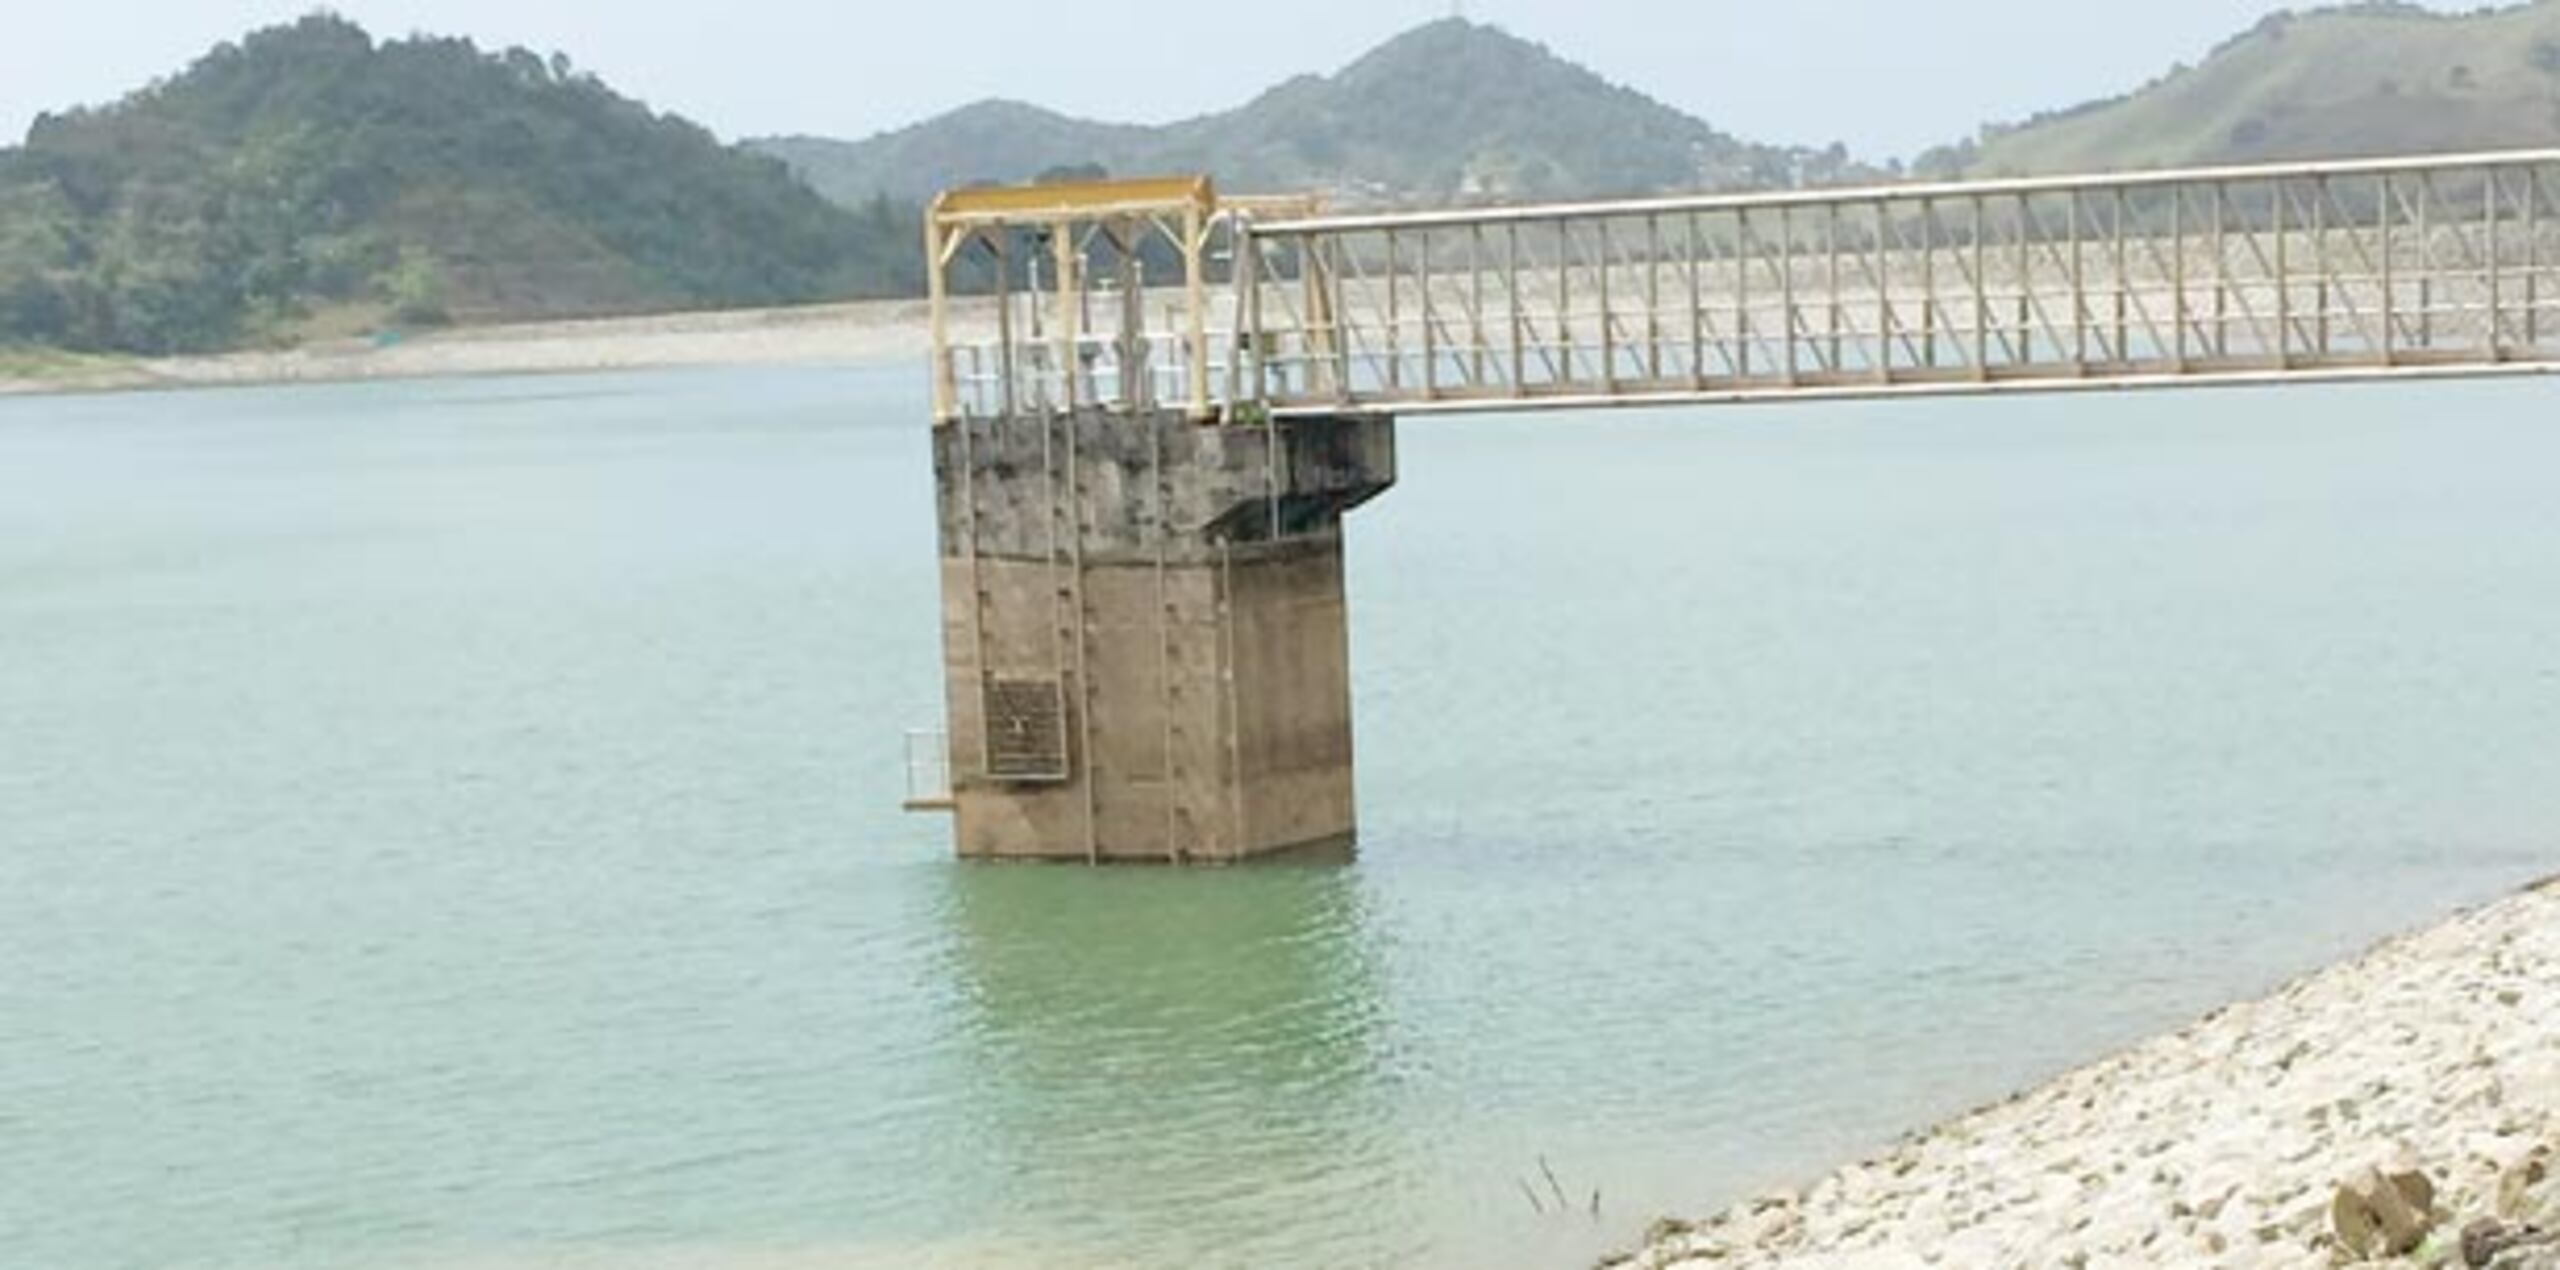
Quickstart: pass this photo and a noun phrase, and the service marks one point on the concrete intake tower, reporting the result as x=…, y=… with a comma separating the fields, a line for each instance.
x=1144, y=630
x=1143, y=483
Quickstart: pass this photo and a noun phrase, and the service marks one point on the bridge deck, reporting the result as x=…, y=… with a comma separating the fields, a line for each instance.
x=2433, y=266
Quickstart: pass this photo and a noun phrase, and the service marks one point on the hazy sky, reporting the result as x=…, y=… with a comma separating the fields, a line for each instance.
x=1887, y=76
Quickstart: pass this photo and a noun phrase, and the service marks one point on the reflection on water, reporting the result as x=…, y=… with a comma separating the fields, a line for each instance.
x=1239, y=1008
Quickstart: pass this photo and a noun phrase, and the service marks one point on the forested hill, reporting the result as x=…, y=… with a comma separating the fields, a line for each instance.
x=308, y=180
x=2359, y=79
x=1453, y=111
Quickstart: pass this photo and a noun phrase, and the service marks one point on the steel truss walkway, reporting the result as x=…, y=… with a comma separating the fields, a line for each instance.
x=2445, y=265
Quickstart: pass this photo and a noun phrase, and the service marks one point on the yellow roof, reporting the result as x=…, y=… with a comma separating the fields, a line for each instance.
x=1077, y=199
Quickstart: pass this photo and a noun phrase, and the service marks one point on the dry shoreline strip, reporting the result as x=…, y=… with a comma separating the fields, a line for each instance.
x=2291, y=1131
x=862, y=333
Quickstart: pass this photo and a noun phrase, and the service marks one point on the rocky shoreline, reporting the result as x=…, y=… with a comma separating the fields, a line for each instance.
x=2400, y=1109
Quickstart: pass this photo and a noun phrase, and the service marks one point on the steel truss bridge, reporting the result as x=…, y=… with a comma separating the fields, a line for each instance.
x=1144, y=295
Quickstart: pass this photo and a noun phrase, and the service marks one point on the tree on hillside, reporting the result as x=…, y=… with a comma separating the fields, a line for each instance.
x=306, y=165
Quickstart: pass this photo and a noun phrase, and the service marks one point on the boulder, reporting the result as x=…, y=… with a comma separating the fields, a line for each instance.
x=2524, y=1190
x=2543, y=1255
x=2490, y=1244
x=2382, y=1215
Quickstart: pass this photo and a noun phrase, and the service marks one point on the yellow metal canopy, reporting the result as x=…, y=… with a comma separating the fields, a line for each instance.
x=1074, y=200
x=1067, y=220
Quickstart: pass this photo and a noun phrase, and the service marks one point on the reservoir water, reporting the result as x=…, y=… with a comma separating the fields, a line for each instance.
x=456, y=824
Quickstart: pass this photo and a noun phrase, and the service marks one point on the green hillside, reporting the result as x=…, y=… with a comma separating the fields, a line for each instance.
x=1448, y=111
x=307, y=178
x=2366, y=79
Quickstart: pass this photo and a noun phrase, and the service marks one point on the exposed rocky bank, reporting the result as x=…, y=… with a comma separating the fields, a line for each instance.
x=2401, y=1109
x=864, y=333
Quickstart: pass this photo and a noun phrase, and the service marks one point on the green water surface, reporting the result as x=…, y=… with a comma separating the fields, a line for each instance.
x=456, y=825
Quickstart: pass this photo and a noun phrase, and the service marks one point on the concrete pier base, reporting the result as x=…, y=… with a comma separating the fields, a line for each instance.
x=1145, y=635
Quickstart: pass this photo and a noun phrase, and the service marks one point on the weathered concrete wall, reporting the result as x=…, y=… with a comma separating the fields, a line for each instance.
x=1294, y=737
x=1108, y=480
x=1178, y=587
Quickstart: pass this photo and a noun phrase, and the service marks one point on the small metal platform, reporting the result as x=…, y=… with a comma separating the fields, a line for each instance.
x=929, y=771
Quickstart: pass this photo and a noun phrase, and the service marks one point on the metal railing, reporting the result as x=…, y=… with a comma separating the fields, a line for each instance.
x=990, y=378
x=2438, y=265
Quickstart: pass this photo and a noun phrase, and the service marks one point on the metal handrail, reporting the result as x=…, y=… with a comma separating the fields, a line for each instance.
x=1908, y=192
x=2129, y=278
